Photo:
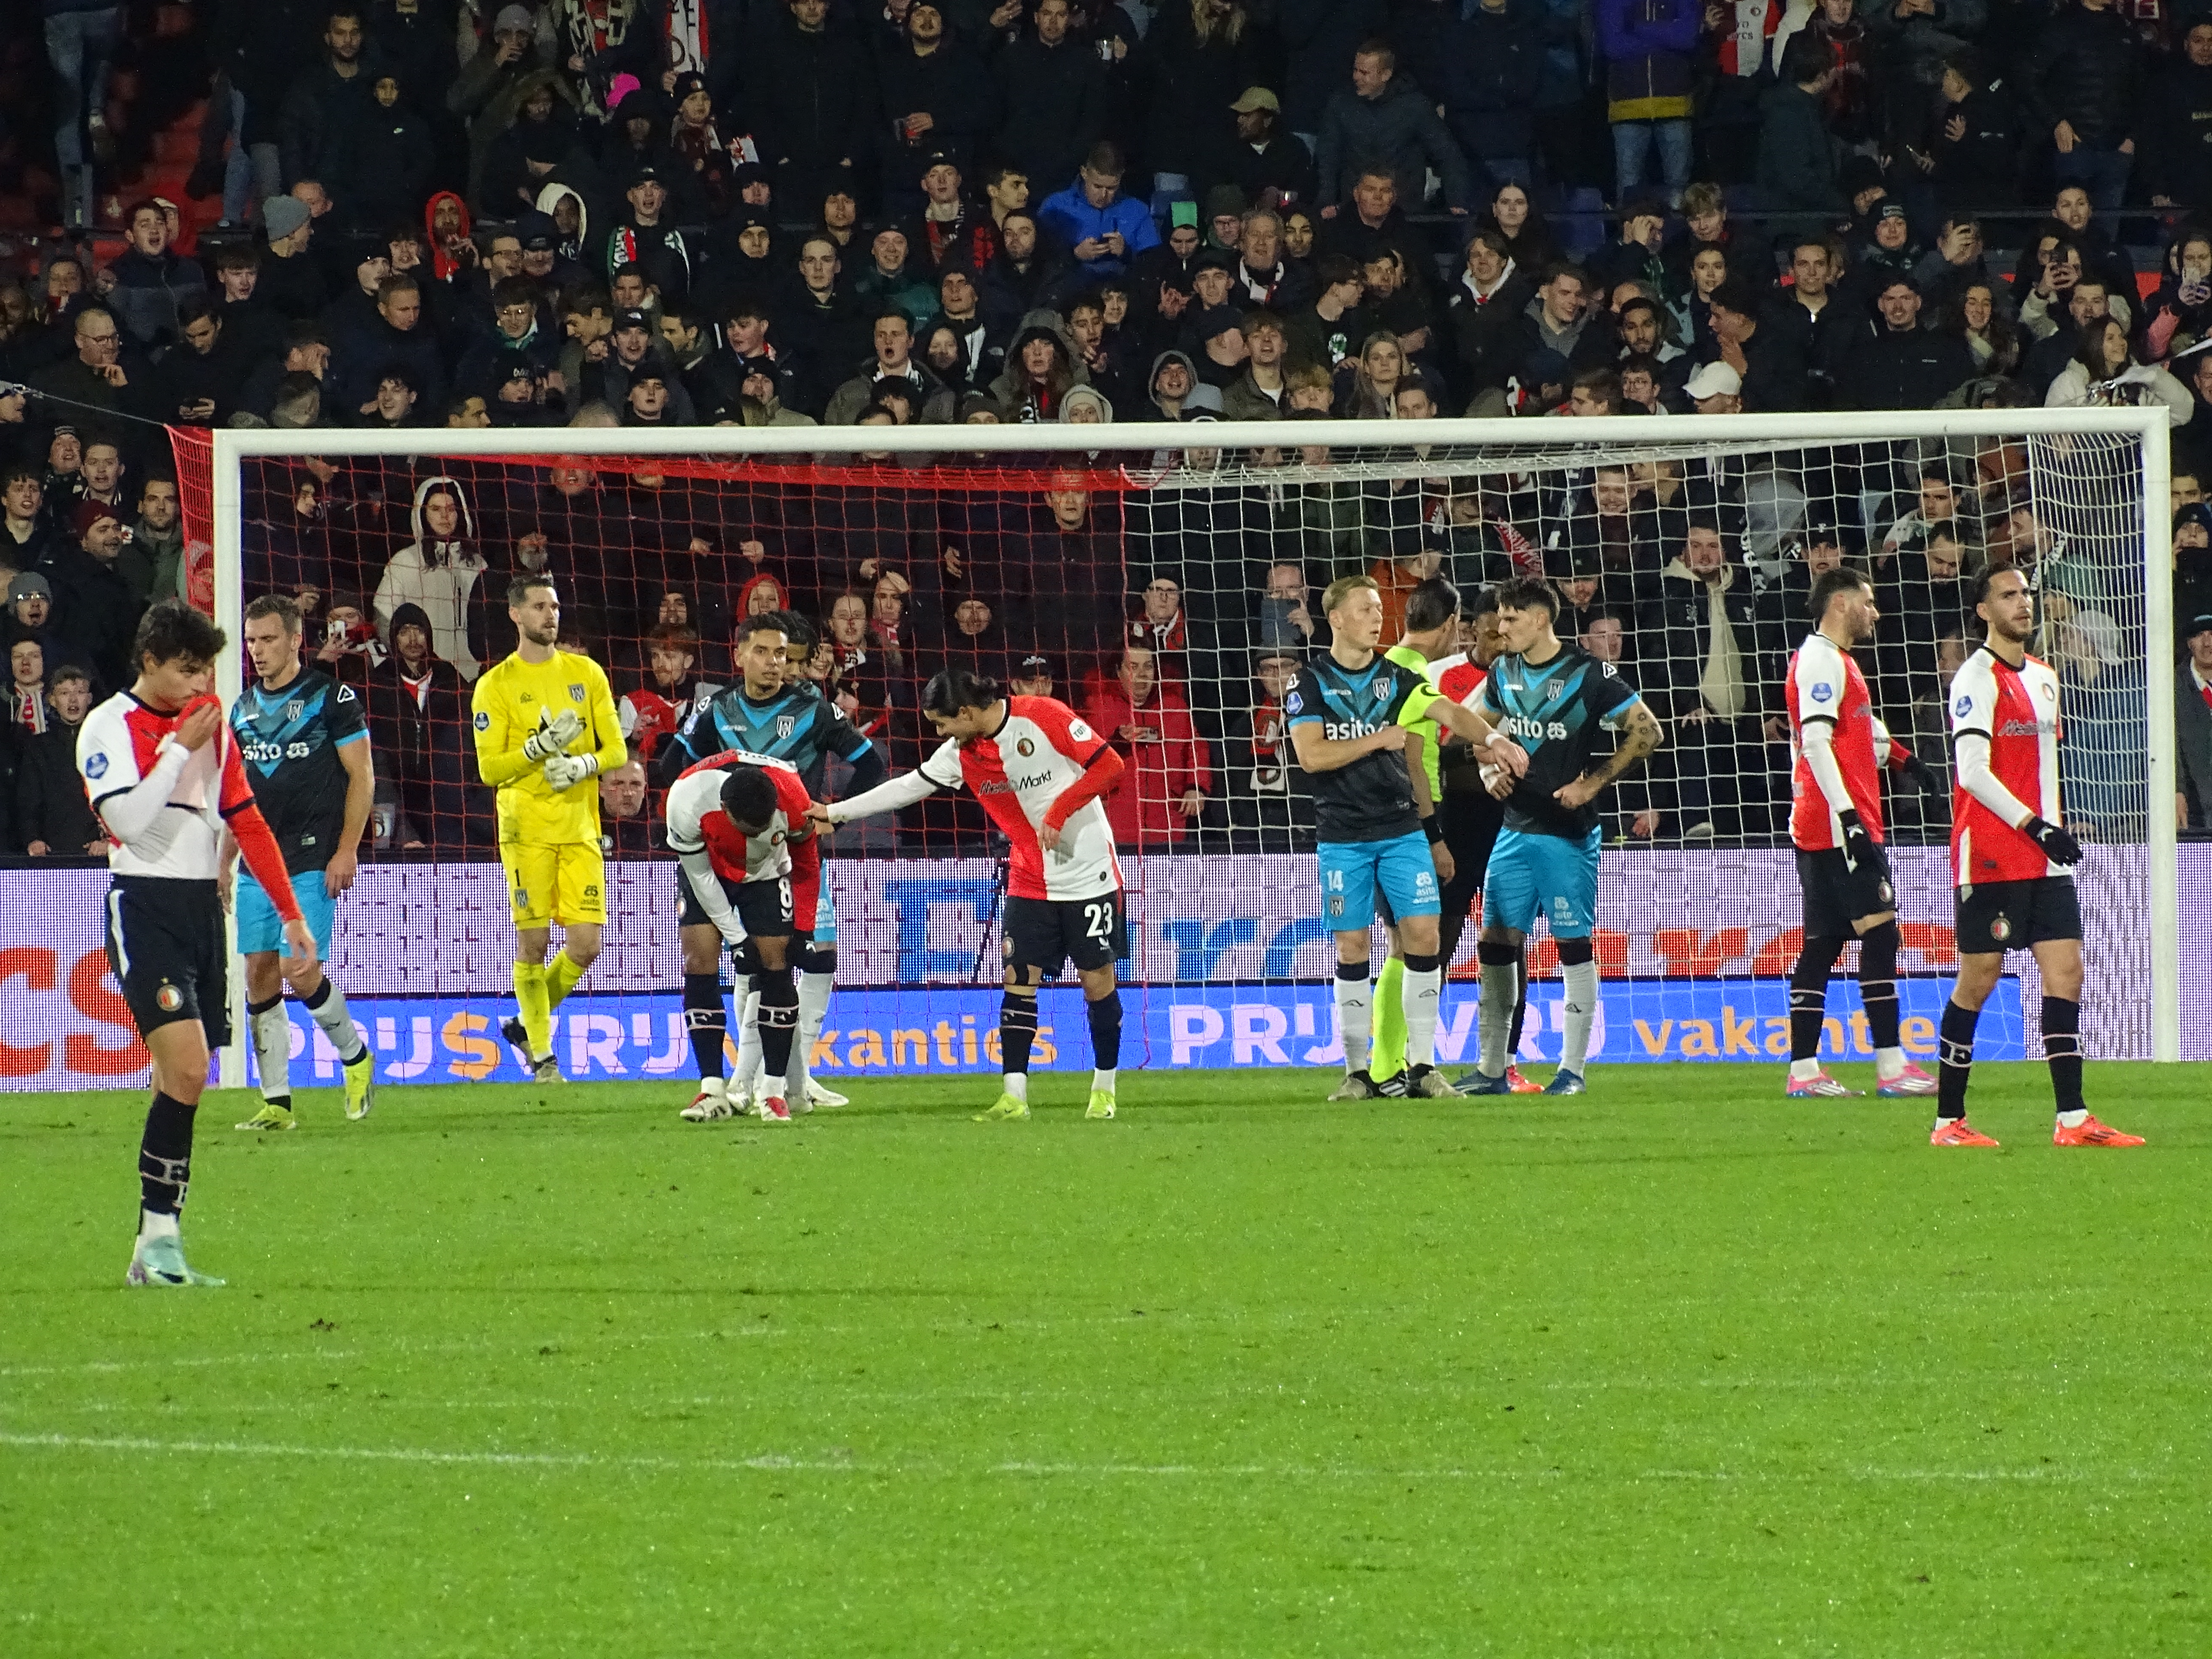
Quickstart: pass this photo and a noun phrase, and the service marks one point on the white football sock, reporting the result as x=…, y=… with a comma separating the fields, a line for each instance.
x=1581, y=980
x=1016, y=1084
x=156, y=1224
x=1889, y=1064
x=749, y=1042
x=1102, y=1079
x=1423, y=994
x=813, y=1004
x=1804, y=1070
x=272, y=1052
x=1355, y=1015
x=337, y=1021
x=1500, y=987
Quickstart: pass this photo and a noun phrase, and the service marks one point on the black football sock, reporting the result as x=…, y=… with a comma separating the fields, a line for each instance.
x=1018, y=1030
x=165, y=1155
x=1105, y=1031
x=1958, y=1062
x=2061, y=1051
x=1878, y=987
x=779, y=1021
x=706, y=1020
x=1808, y=994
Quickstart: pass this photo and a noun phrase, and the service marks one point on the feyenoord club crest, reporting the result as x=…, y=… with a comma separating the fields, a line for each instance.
x=169, y=998
x=1024, y=748
x=2000, y=929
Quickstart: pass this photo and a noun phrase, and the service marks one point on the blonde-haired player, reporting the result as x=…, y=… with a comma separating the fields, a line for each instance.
x=545, y=727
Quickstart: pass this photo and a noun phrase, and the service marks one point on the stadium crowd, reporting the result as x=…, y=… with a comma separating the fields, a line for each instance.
x=449, y=214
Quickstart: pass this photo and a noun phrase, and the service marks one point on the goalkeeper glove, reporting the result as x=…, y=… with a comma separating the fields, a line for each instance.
x=2058, y=843
x=1922, y=774
x=556, y=735
x=564, y=771
x=1858, y=845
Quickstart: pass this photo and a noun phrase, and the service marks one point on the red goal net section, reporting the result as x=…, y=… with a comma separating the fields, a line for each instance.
x=1165, y=582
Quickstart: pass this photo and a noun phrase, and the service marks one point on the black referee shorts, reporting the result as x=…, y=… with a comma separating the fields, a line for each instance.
x=1837, y=895
x=165, y=946
x=1471, y=826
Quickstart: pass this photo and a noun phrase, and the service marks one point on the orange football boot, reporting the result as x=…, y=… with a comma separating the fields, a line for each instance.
x=1956, y=1132
x=2090, y=1132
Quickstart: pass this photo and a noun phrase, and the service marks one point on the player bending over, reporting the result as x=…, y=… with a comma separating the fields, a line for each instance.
x=530, y=710
x=776, y=712
x=1835, y=819
x=1349, y=710
x=1472, y=816
x=1038, y=772
x=2010, y=860
x=165, y=777
x=306, y=747
x=1555, y=698
x=738, y=825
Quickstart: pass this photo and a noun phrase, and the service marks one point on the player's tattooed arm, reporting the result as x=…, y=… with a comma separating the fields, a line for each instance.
x=1640, y=734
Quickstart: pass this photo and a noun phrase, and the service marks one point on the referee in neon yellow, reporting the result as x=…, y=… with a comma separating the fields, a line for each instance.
x=545, y=728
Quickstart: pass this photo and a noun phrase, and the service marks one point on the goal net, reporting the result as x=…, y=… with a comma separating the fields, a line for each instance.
x=1166, y=590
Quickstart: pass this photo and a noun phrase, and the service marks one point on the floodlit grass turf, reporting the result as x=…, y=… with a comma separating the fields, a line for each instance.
x=1675, y=1368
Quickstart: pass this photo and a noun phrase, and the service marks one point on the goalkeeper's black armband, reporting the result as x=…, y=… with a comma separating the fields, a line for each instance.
x=1432, y=828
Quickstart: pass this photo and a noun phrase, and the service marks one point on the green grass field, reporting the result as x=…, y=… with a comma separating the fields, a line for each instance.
x=1672, y=1368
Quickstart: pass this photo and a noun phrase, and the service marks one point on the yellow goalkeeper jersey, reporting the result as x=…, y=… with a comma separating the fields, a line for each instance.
x=515, y=700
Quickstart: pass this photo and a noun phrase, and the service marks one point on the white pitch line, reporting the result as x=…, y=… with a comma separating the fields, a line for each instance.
x=772, y=1463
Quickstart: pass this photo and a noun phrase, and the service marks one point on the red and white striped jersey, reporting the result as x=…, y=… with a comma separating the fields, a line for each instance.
x=2017, y=710
x=696, y=819
x=1458, y=677
x=1017, y=772
x=1825, y=686
x=120, y=743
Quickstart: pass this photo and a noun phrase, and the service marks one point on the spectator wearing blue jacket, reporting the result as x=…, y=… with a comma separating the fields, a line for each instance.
x=1103, y=229
x=1650, y=48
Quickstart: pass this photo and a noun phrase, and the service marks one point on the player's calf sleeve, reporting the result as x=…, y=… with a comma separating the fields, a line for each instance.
x=706, y=1021
x=1354, y=1010
x=1105, y=1016
x=1578, y=976
x=1957, y=1064
x=1878, y=992
x=1500, y=991
x=328, y=1005
x=272, y=1049
x=164, y=1157
x=779, y=1019
x=1388, y=1055
x=1018, y=1030
x=560, y=976
x=749, y=1037
x=1419, y=995
x=2061, y=1051
x=1520, y=1000
x=1809, y=996
x=530, y=1002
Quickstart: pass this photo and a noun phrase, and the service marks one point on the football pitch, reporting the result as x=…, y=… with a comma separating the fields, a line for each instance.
x=1676, y=1367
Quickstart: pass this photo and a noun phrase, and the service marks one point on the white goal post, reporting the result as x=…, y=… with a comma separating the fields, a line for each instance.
x=1470, y=447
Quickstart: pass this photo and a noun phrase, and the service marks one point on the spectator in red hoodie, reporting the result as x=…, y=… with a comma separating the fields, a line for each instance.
x=1163, y=789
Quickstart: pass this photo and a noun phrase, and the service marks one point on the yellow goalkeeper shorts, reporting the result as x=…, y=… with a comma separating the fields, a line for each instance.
x=563, y=882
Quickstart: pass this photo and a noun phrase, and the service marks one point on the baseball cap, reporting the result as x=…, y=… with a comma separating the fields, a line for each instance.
x=643, y=173
x=1038, y=667
x=2196, y=625
x=1714, y=380
x=1257, y=98
x=632, y=318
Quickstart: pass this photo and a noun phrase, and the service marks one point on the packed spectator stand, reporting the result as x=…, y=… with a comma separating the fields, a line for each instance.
x=406, y=216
